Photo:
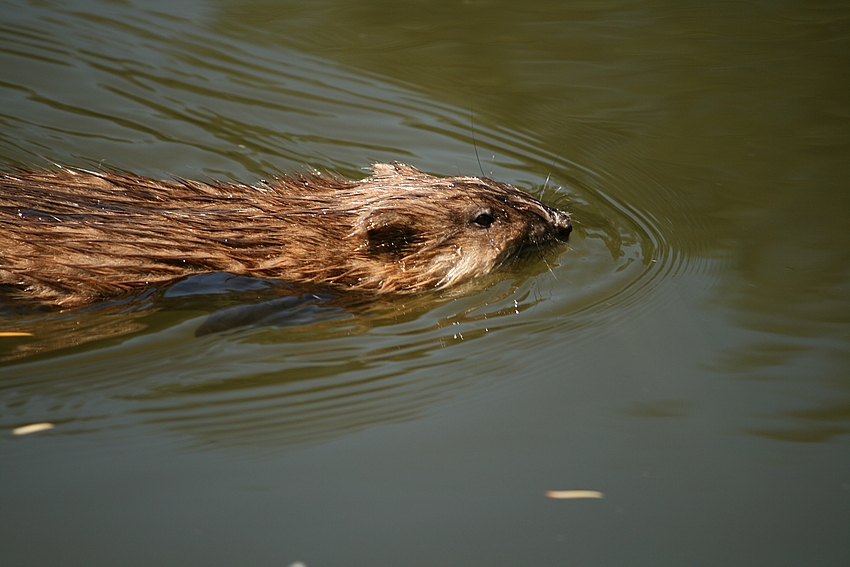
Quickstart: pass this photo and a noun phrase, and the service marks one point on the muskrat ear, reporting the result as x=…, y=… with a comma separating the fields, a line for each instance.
x=390, y=232
x=380, y=170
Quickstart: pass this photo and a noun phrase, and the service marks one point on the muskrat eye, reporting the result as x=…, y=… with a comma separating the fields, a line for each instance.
x=484, y=220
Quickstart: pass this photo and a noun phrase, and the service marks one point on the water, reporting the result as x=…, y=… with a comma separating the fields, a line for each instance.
x=687, y=355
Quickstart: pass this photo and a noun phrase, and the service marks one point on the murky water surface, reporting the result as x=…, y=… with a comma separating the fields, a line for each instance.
x=688, y=354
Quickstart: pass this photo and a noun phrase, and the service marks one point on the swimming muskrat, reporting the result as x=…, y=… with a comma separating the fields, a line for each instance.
x=71, y=236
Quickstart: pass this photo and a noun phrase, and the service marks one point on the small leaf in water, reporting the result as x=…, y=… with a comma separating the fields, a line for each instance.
x=32, y=428
x=565, y=494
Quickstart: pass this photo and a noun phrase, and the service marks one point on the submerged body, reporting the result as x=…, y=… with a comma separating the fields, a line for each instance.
x=71, y=237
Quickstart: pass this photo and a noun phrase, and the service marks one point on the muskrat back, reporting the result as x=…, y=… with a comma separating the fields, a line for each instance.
x=73, y=236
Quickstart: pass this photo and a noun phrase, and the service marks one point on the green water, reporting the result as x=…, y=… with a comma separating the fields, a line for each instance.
x=688, y=354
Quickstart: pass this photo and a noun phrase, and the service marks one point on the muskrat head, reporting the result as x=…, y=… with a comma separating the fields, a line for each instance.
x=433, y=232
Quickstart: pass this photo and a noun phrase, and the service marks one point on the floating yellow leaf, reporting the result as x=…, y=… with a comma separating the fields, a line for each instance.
x=563, y=494
x=15, y=334
x=32, y=428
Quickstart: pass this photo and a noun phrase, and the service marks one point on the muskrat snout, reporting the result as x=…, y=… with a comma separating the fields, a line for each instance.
x=563, y=224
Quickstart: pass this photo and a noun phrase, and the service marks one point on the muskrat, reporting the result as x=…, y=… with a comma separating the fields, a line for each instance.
x=72, y=236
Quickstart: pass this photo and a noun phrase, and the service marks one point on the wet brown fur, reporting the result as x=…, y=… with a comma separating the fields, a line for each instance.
x=71, y=237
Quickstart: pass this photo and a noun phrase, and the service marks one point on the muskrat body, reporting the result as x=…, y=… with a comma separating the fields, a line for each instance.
x=71, y=237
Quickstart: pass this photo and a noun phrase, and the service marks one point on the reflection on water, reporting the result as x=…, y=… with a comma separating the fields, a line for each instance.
x=791, y=288
x=271, y=385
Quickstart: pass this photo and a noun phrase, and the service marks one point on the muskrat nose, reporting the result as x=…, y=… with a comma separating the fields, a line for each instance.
x=562, y=222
